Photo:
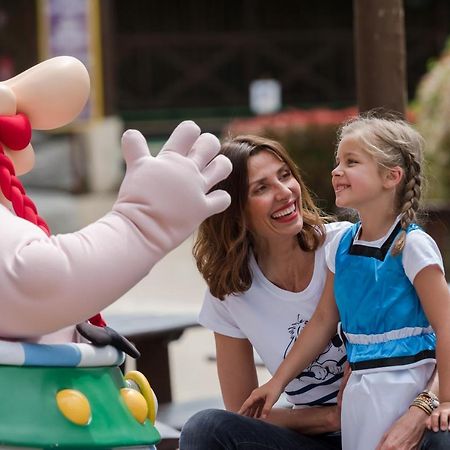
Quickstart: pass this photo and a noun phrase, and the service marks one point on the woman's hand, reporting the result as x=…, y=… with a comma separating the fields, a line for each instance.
x=406, y=433
x=439, y=419
x=261, y=400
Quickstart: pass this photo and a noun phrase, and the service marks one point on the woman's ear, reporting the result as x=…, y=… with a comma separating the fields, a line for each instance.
x=393, y=176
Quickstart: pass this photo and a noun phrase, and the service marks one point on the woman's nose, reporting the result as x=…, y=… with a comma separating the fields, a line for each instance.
x=283, y=191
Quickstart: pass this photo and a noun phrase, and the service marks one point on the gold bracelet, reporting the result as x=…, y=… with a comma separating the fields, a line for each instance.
x=420, y=407
x=429, y=398
x=423, y=405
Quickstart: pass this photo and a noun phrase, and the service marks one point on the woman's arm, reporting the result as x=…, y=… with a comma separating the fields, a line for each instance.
x=236, y=370
x=434, y=295
x=407, y=432
x=238, y=377
x=312, y=340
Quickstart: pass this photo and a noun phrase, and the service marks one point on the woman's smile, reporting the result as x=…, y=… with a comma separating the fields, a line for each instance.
x=274, y=197
x=286, y=213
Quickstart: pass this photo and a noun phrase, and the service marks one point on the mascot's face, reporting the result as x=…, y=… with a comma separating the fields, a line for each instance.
x=23, y=160
x=51, y=94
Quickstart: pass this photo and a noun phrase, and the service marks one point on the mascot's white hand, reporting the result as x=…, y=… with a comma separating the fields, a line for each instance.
x=166, y=196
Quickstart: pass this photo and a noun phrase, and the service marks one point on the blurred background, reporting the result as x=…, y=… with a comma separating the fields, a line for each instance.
x=282, y=69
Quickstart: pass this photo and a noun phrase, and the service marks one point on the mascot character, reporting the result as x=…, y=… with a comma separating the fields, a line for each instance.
x=57, y=389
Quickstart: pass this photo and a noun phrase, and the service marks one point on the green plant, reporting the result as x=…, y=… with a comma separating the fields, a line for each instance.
x=433, y=112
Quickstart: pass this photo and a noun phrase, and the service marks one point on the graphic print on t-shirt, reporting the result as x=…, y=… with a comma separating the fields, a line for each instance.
x=326, y=366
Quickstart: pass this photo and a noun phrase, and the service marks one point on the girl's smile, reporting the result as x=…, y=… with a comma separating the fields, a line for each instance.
x=357, y=179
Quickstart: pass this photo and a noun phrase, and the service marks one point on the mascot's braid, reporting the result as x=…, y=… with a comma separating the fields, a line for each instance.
x=15, y=132
x=14, y=191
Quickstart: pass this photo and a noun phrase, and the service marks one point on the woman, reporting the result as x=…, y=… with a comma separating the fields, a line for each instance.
x=263, y=259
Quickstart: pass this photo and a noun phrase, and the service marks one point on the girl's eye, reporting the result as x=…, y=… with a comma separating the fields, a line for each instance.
x=286, y=174
x=350, y=162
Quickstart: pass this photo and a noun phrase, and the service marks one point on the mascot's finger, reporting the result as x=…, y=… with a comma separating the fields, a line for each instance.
x=134, y=146
x=183, y=138
x=217, y=201
x=204, y=149
x=217, y=170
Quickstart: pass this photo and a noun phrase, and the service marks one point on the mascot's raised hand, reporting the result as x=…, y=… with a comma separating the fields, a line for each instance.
x=177, y=181
x=50, y=283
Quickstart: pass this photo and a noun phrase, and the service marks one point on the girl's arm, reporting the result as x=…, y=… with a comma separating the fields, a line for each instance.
x=434, y=295
x=311, y=341
x=237, y=377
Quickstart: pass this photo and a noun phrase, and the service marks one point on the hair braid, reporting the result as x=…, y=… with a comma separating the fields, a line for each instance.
x=14, y=191
x=410, y=200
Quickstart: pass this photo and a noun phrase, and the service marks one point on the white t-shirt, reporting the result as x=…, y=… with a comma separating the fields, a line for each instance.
x=419, y=251
x=271, y=318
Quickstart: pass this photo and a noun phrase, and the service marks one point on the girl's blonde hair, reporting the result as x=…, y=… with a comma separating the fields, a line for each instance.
x=223, y=243
x=393, y=142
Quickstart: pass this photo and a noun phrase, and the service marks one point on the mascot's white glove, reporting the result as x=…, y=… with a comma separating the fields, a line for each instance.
x=166, y=197
x=49, y=283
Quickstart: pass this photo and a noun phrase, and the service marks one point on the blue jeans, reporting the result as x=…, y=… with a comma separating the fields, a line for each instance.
x=222, y=430
x=214, y=429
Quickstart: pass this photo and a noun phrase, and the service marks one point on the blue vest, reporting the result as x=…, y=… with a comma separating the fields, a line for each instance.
x=382, y=319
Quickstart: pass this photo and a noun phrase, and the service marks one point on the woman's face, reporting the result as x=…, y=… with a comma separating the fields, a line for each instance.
x=274, y=197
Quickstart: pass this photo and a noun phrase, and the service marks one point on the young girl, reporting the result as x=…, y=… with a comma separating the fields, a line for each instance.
x=385, y=284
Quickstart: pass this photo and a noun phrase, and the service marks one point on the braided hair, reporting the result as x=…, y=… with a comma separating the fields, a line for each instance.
x=13, y=190
x=393, y=142
x=17, y=138
x=16, y=134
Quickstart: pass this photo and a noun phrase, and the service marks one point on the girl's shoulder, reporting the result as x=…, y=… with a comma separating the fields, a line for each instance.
x=416, y=236
x=419, y=252
x=334, y=229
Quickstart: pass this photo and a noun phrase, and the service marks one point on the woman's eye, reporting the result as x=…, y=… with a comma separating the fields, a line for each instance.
x=286, y=175
x=350, y=162
x=260, y=189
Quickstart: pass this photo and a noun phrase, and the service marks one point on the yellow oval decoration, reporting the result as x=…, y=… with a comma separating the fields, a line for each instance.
x=136, y=403
x=146, y=391
x=74, y=406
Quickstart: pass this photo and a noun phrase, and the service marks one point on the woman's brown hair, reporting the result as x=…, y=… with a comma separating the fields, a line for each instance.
x=223, y=243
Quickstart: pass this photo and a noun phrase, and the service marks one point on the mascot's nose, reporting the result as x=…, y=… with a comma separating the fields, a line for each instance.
x=8, y=103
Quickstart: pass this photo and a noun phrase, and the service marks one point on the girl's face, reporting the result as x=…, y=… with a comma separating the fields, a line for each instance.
x=357, y=179
x=274, y=197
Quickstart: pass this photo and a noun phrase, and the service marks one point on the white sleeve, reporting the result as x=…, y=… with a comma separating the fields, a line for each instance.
x=331, y=249
x=215, y=316
x=49, y=283
x=420, y=251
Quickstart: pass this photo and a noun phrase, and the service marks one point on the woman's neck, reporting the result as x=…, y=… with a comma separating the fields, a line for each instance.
x=285, y=264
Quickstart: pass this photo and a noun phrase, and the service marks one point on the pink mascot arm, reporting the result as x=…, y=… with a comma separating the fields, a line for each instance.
x=49, y=283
